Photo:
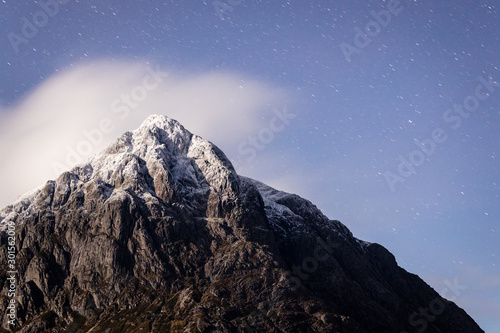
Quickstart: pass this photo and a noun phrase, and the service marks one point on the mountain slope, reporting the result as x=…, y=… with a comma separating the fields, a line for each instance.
x=158, y=233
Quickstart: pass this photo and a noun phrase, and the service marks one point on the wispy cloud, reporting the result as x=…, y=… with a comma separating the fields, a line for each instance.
x=66, y=114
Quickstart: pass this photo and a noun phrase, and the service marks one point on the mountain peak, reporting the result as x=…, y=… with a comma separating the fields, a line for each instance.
x=159, y=232
x=161, y=121
x=166, y=130
x=160, y=159
x=157, y=131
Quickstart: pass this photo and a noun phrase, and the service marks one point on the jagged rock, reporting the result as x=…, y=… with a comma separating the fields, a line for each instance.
x=159, y=234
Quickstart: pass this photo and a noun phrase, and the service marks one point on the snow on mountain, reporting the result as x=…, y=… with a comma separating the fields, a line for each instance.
x=158, y=228
x=162, y=158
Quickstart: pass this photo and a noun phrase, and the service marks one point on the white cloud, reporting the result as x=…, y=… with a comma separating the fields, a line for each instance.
x=37, y=133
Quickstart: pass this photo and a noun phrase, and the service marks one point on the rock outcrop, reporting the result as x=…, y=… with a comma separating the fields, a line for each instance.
x=158, y=233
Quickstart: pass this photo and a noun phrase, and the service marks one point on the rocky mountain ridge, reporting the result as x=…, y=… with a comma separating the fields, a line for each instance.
x=158, y=233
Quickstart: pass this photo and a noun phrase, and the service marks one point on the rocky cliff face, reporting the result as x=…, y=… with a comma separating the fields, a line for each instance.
x=159, y=234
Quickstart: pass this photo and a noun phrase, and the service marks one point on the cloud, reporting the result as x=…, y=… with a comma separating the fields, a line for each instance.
x=76, y=113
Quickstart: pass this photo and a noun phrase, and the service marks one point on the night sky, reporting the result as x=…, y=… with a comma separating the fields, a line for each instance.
x=385, y=114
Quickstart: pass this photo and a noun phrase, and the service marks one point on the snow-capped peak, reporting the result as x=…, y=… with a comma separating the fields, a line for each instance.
x=161, y=159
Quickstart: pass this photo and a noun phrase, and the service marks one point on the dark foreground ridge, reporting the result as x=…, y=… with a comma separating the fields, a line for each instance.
x=159, y=234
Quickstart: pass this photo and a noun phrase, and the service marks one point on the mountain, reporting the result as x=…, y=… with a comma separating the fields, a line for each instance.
x=158, y=233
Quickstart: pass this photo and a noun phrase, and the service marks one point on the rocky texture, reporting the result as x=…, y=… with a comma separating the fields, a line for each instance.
x=159, y=234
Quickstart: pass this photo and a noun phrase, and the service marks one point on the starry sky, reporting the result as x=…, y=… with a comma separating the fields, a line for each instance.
x=383, y=113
